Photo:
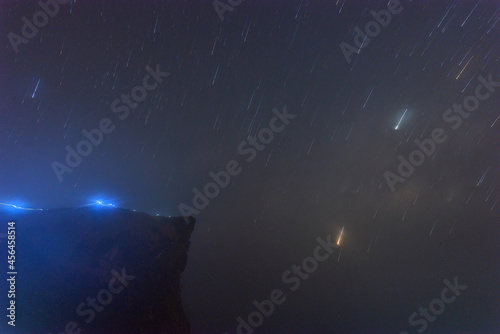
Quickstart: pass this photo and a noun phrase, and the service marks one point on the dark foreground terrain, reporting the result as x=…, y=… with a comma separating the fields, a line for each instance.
x=93, y=270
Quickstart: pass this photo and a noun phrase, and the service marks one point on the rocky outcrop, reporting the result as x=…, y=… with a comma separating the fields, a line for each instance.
x=95, y=270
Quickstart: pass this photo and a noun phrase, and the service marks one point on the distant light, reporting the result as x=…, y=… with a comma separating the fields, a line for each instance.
x=101, y=203
x=19, y=207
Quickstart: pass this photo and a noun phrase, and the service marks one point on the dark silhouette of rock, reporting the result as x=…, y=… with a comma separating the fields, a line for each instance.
x=95, y=270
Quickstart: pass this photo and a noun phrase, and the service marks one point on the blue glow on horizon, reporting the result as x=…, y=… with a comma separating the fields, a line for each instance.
x=93, y=203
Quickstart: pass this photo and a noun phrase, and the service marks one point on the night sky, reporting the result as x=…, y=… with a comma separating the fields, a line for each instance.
x=356, y=106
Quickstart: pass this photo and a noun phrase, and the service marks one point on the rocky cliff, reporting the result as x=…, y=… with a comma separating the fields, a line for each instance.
x=92, y=270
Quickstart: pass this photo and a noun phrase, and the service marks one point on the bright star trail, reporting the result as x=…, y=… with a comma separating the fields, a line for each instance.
x=397, y=125
x=36, y=88
x=458, y=76
x=340, y=236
